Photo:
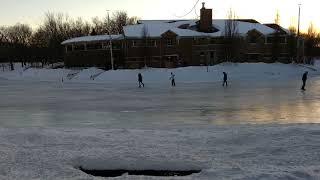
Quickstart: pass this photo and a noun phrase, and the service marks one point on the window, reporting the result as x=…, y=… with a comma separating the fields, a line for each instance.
x=153, y=43
x=213, y=41
x=253, y=39
x=283, y=40
x=106, y=45
x=269, y=40
x=94, y=46
x=79, y=47
x=211, y=54
x=134, y=43
x=196, y=41
x=169, y=42
x=203, y=40
x=116, y=46
x=69, y=48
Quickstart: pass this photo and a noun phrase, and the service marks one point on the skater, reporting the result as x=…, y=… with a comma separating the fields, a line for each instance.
x=140, y=80
x=304, y=80
x=173, y=81
x=225, y=79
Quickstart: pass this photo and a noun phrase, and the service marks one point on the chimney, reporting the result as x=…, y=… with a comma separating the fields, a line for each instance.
x=205, y=19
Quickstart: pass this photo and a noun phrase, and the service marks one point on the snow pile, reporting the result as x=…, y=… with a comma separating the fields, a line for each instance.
x=236, y=72
x=222, y=152
x=317, y=62
x=35, y=74
x=87, y=74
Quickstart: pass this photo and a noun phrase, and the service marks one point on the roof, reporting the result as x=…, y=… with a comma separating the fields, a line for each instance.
x=279, y=28
x=248, y=20
x=183, y=28
x=96, y=38
x=155, y=28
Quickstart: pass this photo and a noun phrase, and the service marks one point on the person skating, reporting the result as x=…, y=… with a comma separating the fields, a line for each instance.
x=225, y=79
x=172, y=78
x=140, y=80
x=304, y=80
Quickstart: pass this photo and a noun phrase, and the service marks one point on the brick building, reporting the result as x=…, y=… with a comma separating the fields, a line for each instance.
x=173, y=43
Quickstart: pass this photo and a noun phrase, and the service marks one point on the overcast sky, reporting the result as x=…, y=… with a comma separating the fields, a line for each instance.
x=32, y=11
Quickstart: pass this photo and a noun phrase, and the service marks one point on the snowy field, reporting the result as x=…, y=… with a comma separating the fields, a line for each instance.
x=260, y=127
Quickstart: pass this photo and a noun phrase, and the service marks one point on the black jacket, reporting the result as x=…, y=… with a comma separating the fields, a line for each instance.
x=305, y=77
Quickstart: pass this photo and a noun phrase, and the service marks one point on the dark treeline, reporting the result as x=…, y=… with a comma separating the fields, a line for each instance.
x=312, y=42
x=20, y=43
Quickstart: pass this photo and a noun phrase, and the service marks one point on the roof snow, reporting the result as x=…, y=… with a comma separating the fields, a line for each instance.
x=155, y=28
x=92, y=39
x=183, y=28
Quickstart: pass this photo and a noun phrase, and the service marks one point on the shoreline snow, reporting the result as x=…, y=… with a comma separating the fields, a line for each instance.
x=193, y=74
x=221, y=152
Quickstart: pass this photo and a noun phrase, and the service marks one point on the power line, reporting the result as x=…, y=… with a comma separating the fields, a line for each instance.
x=193, y=8
x=195, y=11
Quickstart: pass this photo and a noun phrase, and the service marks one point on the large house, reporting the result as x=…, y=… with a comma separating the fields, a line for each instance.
x=173, y=43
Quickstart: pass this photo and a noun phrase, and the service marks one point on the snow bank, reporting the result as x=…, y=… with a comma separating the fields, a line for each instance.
x=221, y=152
x=236, y=72
x=87, y=74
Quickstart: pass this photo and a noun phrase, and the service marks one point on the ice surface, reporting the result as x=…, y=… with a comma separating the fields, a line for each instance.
x=258, y=94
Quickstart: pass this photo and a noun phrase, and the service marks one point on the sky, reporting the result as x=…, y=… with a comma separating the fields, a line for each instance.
x=32, y=11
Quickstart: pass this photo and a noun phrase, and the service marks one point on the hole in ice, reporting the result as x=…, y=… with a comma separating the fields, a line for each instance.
x=120, y=172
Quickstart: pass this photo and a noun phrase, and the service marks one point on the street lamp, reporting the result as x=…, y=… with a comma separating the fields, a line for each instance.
x=298, y=35
x=110, y=42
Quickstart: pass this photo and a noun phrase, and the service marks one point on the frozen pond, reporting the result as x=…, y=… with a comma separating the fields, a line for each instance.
x=50, y=104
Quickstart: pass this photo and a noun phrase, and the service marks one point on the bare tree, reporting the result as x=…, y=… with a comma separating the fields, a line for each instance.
x=231, y=37
x=98, y=25
x=275, y=50
x=292, y=42
x=277, y=19
x=118, y=20
x=312, y=42
x=3, y=35
x=18, y=34
x=146, y=44
x=45, y=41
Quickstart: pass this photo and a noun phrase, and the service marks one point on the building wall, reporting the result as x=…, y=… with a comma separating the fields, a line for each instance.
x=173, y=51
x=93, y=54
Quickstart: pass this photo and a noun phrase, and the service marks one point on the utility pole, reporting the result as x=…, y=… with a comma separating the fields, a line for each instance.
x=110, y=42
x=298, y=35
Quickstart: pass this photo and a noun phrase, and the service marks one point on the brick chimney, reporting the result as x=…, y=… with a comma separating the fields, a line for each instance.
x=205, y=19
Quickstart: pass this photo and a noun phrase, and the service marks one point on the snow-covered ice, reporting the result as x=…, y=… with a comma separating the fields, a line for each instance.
x=222, y=152
x=260, y=127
